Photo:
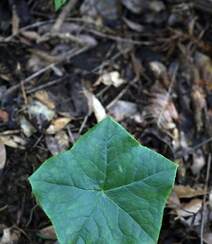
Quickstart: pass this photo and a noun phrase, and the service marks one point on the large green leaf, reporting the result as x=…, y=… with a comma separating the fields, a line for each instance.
x=106, y=189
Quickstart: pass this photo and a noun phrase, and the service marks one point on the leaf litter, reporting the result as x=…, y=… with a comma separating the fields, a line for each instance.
x=146, y=63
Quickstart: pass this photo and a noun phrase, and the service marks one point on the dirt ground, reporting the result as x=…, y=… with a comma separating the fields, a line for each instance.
x=146, y=63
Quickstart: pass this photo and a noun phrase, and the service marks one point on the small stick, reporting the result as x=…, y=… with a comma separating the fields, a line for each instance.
x=48, y=84
x=61, y=18
x=27, y=80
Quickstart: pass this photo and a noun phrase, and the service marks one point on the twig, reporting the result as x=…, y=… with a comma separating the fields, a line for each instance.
x=83, y=124
x=201, y=144
x=27, y=80
x=61, y=18
x=48, y=84
x=118, y=38
x=123, y=91
x=71, y=136
x=204, y=199
x=167, y=97
x=15, y=20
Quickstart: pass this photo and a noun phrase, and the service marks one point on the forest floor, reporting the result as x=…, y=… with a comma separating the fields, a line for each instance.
x=146, y=63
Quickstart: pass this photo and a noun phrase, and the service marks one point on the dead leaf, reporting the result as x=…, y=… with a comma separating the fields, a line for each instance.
x=31, y=35
x=10, y=236
x=188, y=191
x=123, y=109
x=48, y=233
x=158, y=68
x=2, y=156
x=173, y=201
x=199, y=105
x=27, y=128
x=95, y=106
x=204, y=64
x=44, y=98
x=4, y=116
x=13, y=141
x=208, y=238
x=133, y=25
x=57, y=143
x=161, y=109
x=107, y=9
x=138, y=6
x=190, y=208
x=198, y=162
x=57, y=125
x=40, y=112
x=112, y=78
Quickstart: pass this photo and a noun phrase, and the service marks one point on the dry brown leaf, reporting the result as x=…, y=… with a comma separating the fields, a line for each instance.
x=161, y=109
x=40, y=111
x=48, y=233
x=27, y=128
x=57, y=143
x=205, y=65
x=173, y=201
x=57, y=125
x=4, y=116
x=190, y=208
x=2, y=156
x=13, y=141
x=188, y=191
x=199, y=106
x=44, y=98
x=111, y=79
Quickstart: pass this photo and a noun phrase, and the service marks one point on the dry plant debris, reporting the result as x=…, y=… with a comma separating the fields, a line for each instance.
x=146, y=63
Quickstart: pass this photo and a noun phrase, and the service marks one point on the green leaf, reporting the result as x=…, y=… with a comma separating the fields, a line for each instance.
x=106, y=189
x=59, y=4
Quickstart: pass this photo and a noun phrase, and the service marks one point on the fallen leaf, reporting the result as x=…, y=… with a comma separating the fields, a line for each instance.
x=123, y=109
x=161, y=109
x=57, y=143
x=106, y=9
x=4, y=116
x=205, y=65
x=208, y=238
x=44, y=98
x=190, y=208
x=57, y=125
x=40, y=112
x=138, y=6
x=173, y=201
x=158, y=68
x=13, y=141
x=198, y=162
x=47, y=233
x=112, y=78
x=133, y=25
x=198, y=105
x=10, y=236
x=27, y=128
x=188, y=191
x=2, y=156
x=95, y=106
